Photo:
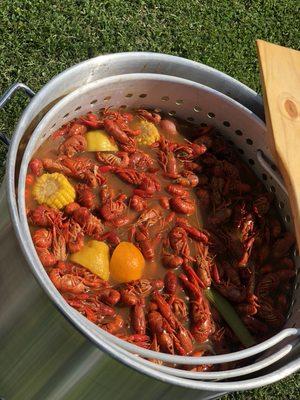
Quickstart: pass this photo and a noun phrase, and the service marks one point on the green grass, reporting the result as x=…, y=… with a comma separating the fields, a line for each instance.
x=40, y=38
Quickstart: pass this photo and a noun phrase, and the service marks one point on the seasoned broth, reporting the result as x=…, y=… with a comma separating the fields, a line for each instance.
x=156, y=230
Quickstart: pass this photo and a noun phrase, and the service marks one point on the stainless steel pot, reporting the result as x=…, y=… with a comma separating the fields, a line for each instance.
x=57, y=88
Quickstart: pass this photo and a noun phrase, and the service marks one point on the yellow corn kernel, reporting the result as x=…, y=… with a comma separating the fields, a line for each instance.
x=99, y=140
x=149, y=133
x=54, y=190
x=95, y=257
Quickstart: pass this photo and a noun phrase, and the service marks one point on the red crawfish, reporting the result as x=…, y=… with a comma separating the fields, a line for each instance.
x=70, y=208
x=164, y=202
x=168, y=162
x=46, y=216
x=137, y=339
x=144, y=242
x=179, y=242
x=177, y=190
x=74, y=236
x=206, y=140
x=261, y=204
x=182, y=205
x=90, y=224
x=91, y=120
x=195, y=167
x=72, y=145
x=88, y=278
x=112, y=209
x=191, y=274
x=70, y=129
x=282, y=245
x=47, y=258
x=202, y=324
x=232, y=273
x=271, y=281
x=183, y=340
x=236, y=294
x=225, y=169
x=42, y=238
x=113, y=129
x=247, y=227
x=66, y=282
x=275, y=228
x=149, y=116
x=204, y=197
x=138, y=319
x=255, y=325
x=115, y=325
x=149, y=217
x=118, y=221
x=247, y=309
x=120, y=159
x=157, y=328
x=109, y=296
x=188, y=179
x=164, y=308
x=76, y=129
x=179, y=308
x=59, y=244
x=272, y=316
x=192, y=232
x=191, y=287
x=80, y=168
x=171, y=283
x=247, y=247
x=130, y=175
x=189, y=151
x=106, y=193
x=144, y=287
x=203, y=265
x=137, y=203
x=171, y=261
x=36, y=166
x=128, y=297
x=203, y=179
x=220, y=216
x=85, y=196
x=141, y=161
x=149, y=186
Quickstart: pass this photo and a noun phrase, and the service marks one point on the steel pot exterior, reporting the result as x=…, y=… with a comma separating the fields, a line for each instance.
x=71, y=344
x=104, y=66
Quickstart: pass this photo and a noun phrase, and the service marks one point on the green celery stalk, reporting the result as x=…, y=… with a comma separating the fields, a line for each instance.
x=230, y=316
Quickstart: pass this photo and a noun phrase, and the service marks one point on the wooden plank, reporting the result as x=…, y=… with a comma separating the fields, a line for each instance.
x=280, y=77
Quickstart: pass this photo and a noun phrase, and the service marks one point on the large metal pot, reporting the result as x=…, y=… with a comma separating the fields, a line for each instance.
x=29, y=321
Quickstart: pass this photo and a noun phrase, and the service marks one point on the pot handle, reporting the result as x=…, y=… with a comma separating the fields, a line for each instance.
x=6, y=97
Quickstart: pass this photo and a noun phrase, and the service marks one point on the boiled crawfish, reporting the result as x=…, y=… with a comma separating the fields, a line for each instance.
x=120, y=159
x=90, y=224
x=72, y=145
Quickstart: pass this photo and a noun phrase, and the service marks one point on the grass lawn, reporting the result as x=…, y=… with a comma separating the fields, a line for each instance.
x=40, y=38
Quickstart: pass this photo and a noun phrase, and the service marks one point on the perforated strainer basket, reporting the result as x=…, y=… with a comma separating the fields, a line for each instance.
x=199, y=104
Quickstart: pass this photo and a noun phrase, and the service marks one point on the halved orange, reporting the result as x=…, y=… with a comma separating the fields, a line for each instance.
x=127, y=263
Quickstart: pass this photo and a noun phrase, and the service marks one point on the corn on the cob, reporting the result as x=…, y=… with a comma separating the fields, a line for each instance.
x=149, y=133
x=54, y=190
x=99, y=140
